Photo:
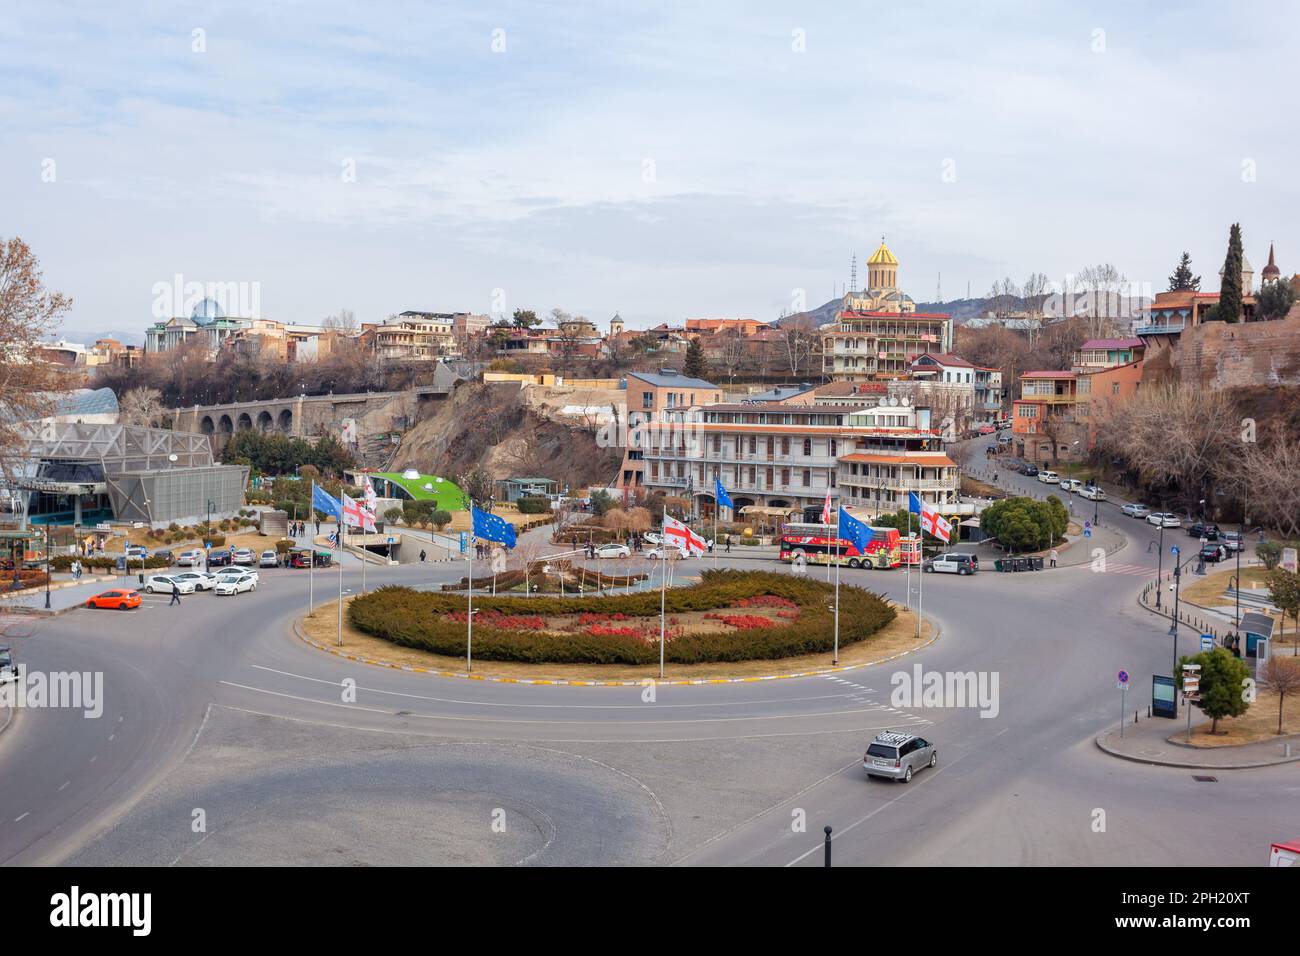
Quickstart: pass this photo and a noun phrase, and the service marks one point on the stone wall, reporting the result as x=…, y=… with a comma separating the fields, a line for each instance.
x=1221, y=355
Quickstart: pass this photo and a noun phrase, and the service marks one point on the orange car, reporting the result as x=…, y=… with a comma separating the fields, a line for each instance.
x=119, y=600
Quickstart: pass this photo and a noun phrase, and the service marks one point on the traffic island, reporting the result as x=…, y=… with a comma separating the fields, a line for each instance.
x=702, y=624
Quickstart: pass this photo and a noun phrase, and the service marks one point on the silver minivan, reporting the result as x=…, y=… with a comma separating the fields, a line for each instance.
x=896, y=755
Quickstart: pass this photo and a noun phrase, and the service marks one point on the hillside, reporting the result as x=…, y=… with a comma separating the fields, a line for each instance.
x=489, y=426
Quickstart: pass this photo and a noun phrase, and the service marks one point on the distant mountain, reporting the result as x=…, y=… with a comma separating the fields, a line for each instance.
x=812, y=318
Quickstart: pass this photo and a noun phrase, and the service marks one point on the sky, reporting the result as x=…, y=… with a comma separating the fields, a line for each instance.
x=660, y=160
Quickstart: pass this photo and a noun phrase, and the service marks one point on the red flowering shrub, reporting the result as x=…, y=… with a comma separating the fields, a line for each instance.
x=764, y=600
x=745, y=621
x=601, y=630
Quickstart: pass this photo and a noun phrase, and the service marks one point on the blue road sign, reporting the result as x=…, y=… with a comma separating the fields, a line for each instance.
x=1207, y=642
x=1173, y=549
x=1087, y=532
x=1123, y=677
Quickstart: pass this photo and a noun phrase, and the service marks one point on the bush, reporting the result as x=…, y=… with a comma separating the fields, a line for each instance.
x=283, y=545
x=425, y=620
x=441, y=519
x=393, y=515
x=1270, y=552
x=533, y=506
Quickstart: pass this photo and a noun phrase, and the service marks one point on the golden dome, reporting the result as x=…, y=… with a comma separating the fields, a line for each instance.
x=882, y=256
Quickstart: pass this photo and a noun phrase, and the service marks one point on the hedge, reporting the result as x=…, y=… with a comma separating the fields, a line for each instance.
x=422, y=620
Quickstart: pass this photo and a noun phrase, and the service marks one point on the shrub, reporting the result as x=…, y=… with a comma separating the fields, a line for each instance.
x=428, y=621
x=533, y=506
x=393, y=515
x=441, y=519
x=1270, y=552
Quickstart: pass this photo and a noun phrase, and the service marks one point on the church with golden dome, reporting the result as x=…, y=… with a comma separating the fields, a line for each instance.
x=882, y=293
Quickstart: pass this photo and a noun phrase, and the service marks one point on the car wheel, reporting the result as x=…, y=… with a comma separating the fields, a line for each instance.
x=123, y=607
x=148, y=589
x=854, y=563
x=907, y=776
x=934, y=758
x=91, y=605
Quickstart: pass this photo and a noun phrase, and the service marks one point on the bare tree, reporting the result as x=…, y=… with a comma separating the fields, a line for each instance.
x=731, y=352
x=1282, y=674
x=142, y=406
x=344, y=321
x=1267, y=468
x=799, y=344
x=28, y=312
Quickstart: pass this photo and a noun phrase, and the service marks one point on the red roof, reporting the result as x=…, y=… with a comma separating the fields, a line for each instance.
x=1047, y=374
x=954, y=361
x=1111, y=344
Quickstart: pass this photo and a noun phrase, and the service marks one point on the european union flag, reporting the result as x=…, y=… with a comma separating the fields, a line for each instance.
x=491, y=528
x=854, y=531
x=914, y=503
x=720, y=493
x=322, y=500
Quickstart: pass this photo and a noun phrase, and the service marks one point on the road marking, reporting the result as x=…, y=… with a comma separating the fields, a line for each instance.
x=63, y=785
x=111, y=736
x=94, y=758
x=17, y=819
x=883, y=806
x=489, y=703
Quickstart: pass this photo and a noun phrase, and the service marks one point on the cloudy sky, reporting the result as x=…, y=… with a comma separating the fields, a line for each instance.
x=659, y=159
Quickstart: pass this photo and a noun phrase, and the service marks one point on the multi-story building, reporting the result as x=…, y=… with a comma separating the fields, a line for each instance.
x=850, y=393
x=711, y=326
x=418, y=336
x=653, y=400
x=864, y=345
x=789, y=457
x=988, y=395
x=1097, y=354
x=1046, y=425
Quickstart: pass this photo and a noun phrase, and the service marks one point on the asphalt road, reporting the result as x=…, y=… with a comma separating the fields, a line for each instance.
x=225, y=740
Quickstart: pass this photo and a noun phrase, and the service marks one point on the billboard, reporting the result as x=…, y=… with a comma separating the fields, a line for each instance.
x=1163, y=702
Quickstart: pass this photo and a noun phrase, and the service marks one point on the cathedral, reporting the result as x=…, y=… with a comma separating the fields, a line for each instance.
x=882, y=293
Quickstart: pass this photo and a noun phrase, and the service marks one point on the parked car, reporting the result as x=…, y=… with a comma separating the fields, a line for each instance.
x=1071, y=484
x=302, y=558
x=1213, y=552
x=162, y=583
x=896, y=756
x=234, y=582
x=202, y=580
x=986, y=429
x=1092, y=493
x=1030, y=470
x=1135, y=510
x=613, y=551
x=655, y=554
x=1163, y=519
x=219, y=559
x=243, y=556
x=1049, y=477
x=1231, y=540
x=8, y=669
x=1201, y=529
x=190, y=559
x=117, y=599
x=654, y=537
x=269, y=559
x=954, y=562
x=166, y=555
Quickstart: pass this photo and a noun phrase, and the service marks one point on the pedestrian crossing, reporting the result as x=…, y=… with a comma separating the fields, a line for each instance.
x=1116, y=567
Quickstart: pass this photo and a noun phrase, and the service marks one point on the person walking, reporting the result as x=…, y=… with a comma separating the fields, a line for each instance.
x=1052, y=557
x=176, y=594
x=727, y=549
x=421, y=556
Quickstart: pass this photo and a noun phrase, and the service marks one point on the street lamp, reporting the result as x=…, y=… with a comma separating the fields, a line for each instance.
x=47, y=566
x=1160, y=555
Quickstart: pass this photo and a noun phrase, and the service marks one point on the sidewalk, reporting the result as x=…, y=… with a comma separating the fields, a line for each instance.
x=1146, y=742
x=68, y=596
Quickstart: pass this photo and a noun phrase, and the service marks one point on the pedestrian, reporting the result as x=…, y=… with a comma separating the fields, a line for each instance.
x=176, y=594
x=318, y=525
x=422, y=556
x=1052, y=557
x=727, y=549
x=1150, y=545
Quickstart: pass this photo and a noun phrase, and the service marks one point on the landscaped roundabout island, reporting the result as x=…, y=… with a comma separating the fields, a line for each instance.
x=729, y=616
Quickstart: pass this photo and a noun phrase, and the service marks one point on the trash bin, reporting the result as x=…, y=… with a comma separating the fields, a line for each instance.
x=997, y=564
x=1037, y=564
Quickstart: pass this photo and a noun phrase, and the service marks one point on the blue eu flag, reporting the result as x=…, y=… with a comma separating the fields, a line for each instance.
x=914, y=503
x=720, y=493
x=322, y=500
x=491, y=528
x=856, y=532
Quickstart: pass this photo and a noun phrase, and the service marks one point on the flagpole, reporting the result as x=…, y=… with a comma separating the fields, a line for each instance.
x=663, y=594
x=908, y=602
x=341, y=549
x=920, y=584
x=835, y=657
x=469, y=616
x=311, y=558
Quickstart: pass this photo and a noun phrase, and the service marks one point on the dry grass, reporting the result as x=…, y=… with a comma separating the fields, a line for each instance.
x=1258, y=723
x=1211, y=591
x=899, y=637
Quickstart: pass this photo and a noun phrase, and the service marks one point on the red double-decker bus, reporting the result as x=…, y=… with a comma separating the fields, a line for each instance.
x=818, y=544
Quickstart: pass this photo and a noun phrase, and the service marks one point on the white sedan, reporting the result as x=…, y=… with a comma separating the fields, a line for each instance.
x=202, y=580
x=613, y=551
x=163, y=583
x=235, y=583
x=1163, y=519
x=656, y=554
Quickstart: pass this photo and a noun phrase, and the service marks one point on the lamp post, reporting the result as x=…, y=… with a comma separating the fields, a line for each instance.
x=47, y=566
x=1173, y=625
x=1160, y=556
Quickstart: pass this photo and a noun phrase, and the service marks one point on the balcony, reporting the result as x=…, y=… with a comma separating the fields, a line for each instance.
x=1169, y=327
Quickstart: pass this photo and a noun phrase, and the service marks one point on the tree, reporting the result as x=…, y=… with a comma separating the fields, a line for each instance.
x=731, y=351
x=344, y=321
x=1268, y=468
x=1230, y=291
x=393, y=515
x=142, y=406
x=1284, y=591
x=696, y=365
x=1182, y=280
x=799, y=342
x=1223, y=681
x=601, y=502
x=441, y=519
x=1269, y=554
x=1024, y=524
x=477, y=486
x=1283, y=678
x=1274, y=300
x=28, y=312
x=525, y=319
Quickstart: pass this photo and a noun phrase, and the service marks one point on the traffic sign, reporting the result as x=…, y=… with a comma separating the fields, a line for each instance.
x=1173, y=549
x=1087, y=532
x=1207, y=642
x=1123, y=677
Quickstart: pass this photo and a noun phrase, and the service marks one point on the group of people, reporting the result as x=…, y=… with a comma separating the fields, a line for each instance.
x=298, y=528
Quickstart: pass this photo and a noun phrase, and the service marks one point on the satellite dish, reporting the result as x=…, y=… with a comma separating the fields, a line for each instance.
x=411, y=474
x=893, y=402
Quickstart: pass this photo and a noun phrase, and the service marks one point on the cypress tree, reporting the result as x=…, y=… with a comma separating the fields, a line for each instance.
x=1230, y=291
x=696, y=366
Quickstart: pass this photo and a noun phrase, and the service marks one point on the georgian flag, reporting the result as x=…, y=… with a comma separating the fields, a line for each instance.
x=368, y=492
x=932, y=522
x=682, y=536
x=357, y=514
x=826, y=508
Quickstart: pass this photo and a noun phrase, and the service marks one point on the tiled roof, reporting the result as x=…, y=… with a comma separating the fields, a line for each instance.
x=1111, y=344
x=1047, y=374
x=953, y=361
x=934, y=460
x=670, y=381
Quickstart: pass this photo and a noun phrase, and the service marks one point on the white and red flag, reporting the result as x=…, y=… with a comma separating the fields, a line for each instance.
x=677, y=533
x=355, y=513
x=932, y=522
x=826, y=508
x=368, y=492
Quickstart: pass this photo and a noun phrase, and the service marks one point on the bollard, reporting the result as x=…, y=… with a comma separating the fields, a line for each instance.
x=828, y=847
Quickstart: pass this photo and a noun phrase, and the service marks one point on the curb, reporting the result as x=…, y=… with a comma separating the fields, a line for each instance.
x=1153, y=762
x=638, y=682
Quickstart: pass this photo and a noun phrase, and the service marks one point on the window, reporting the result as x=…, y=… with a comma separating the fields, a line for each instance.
x=807, y=447
x=834, y=446
x=807, y=477
x=654, y=469
x=832, y=474
x=785, y=446
x=717, y=444
x=785, y=477
x=753, y=444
